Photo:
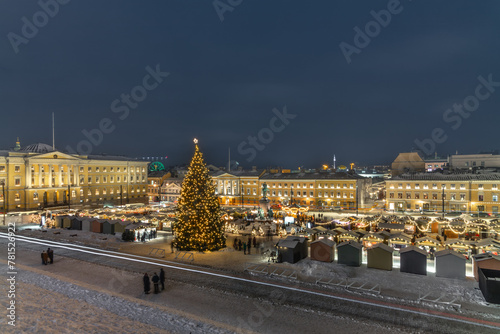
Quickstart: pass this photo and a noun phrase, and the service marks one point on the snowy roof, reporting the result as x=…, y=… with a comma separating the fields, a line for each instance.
x=413, y=249
x=38, y=148
x=325, y=241
x=350, y=243
x=311, y=176
x=381, y=246
x=445, y=252
x=288, y=243
x=450, y=177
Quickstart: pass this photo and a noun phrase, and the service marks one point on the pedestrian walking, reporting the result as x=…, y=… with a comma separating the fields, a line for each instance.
x=45, y=257
x=156, y=281
x=248, y=246
x=235, y=244
x=172, y=246
x=244, y=249
x=254, y=242
x=147, y=283
x=239, y=245
x=162, y=279
x=50, y=254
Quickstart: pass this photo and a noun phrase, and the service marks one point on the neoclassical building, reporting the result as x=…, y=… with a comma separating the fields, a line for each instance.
x=462, y=192
x=319, y=189
x=37, y=176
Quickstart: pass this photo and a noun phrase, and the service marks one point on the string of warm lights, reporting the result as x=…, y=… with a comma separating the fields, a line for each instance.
x=200, y=225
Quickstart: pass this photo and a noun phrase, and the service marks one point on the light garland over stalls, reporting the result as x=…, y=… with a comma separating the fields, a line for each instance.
x=199, y=225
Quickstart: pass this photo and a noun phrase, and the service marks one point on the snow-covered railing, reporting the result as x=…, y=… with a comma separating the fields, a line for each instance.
x=184, y=256
x=265, y=269
x=440, y=300
x=354, y=285
x=158, y=252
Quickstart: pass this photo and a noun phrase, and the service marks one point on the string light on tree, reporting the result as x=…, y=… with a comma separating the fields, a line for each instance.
x=199, y=226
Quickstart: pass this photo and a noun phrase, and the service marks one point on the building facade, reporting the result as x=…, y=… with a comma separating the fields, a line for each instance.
x=323, y=189
x=37, y=177
x=465, y=193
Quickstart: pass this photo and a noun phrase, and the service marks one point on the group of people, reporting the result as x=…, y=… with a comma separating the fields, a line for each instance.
x=156, y=282
x=48, y=256
x=239, y=245
x=147, y=236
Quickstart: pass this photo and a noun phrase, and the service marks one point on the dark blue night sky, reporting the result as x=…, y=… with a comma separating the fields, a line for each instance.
x=226, y=78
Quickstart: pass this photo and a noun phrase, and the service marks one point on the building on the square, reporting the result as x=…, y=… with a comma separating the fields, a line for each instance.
x=238, y=187
x=469, y=161
x=319, y=189
x=407, y=162
x=171, y=189
x=463, y=192
x=155, y=181
x=38, y=176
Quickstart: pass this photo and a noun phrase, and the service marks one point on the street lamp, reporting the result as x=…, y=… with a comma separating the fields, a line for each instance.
x=4, y=205
x=442, y=197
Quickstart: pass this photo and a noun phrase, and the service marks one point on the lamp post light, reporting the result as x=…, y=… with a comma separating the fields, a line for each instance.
x=442, y=197
x=4, y=205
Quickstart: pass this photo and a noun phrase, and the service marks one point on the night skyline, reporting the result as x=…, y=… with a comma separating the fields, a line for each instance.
x=227, y=79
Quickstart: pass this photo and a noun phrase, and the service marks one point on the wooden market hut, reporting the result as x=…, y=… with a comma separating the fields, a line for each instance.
x=372, y=239
x=120, y=226
x=350, y=253
x=323, y=250
x=413, y=260
x=450, y=264
x=289, y=250
x=392, y=227
x=347, y=236
x=59, y=221
x=108, y=227
x=489, y=283
x=488, y=245
x=464, y=247
x=303, y=246
x=485, y=261
x=86, y=224
x=400, y=239
x=76, y=223
x=66, y=223
x=380, y=257
x=96, y=225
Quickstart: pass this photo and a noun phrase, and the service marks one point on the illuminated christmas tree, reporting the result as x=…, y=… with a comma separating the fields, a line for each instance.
x=199, y=225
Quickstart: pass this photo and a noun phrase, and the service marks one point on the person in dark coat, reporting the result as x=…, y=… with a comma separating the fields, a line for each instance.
x=244, y=249
x=147, y=283
x=45, y=257
x=162, y=279
x=248, y=246
x=50, y=254
x=254, y=242
x=156, y=281
x=239, y=245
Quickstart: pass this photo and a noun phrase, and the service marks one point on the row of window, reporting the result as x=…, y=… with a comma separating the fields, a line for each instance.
x=434, y=196
x=97, y=169
x=436, y=186
x=293, y=185
x=17, y=195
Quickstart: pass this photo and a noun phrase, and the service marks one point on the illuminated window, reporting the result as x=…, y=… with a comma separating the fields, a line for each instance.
x=17, y=181
x=104, y=169
x=81, y=169
x=434, y=196
x=417, y=186
x=17, y=196
x=494, y=198
x=17, y=168
x=35, y=196
x=391, y=195
x=2, y=168
x=417, y=196
x=480, y=186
